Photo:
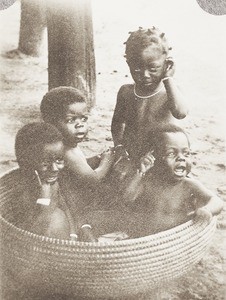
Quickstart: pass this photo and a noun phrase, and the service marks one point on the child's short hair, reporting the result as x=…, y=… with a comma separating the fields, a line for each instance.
x=55, y=102
x=141, y=39
x=154, y=137
x=33, y=137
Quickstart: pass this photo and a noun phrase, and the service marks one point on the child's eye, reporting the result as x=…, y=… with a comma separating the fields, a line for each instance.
x=153, y=70
x=187, y=153
x=60, y=160
x=70, y=121
x=45, y=164
x=84, y=118
x=170, y=154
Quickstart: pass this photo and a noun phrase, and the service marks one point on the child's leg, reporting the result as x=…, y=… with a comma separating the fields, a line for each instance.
x=54, y=224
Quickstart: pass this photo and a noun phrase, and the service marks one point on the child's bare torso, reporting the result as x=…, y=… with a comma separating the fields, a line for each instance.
x=168, y=205
x=76, y=191
x=142, y=114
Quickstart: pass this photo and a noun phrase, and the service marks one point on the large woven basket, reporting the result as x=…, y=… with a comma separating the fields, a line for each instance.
x=98, y=270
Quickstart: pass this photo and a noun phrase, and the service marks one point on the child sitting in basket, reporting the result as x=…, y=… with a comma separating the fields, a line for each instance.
x=41, y=208
x=39, y=152
x=65, y=107
x=165, y=191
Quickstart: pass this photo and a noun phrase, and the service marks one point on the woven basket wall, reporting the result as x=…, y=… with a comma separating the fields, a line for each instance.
x=98, y=270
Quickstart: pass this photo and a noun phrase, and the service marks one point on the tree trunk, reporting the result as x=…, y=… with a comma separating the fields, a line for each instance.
x=71, y=46
x=32, y=25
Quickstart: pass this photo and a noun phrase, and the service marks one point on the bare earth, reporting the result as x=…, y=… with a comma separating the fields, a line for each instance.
x=199, y=44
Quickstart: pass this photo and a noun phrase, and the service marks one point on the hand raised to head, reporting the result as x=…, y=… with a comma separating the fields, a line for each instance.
x=170, y=67
x=147, y=162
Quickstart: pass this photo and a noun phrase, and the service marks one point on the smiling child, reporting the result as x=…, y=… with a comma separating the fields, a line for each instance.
x=39, y=152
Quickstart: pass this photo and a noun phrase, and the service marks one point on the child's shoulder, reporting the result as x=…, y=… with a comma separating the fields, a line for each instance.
x=191, y=181
x=196, y=186
x=73, y=154
x=126, y=88
x=125, y=93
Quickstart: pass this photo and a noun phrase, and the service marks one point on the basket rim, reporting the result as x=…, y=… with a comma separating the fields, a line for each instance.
x=159, y=235
x=168, y=232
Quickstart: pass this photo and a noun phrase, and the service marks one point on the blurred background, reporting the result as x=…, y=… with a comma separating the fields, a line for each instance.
x=199, y=49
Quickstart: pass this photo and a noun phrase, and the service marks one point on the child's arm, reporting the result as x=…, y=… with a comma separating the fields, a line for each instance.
x=118, y=120
x=48, y=193
x=53, y=221
x=107, y=160
x=86, y=234
x=207, y=204
x=50, y=220
x=77, y=163
x=212, y=208
x=176, y=99
x=133, y=185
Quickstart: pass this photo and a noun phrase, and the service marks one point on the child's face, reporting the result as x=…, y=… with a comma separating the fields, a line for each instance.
x=174, y=156
x=149, y=68
x=49, y=161
x=73, y=124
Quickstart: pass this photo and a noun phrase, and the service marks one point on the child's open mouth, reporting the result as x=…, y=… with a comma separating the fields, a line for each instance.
x=51, y=178
x=148, y=82
x=80, y=135
x=180, y=171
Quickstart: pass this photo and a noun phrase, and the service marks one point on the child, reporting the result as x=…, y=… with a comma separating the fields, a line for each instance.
x=153, y=99
x=41, y=209
x=166, y=191
x=65, y=107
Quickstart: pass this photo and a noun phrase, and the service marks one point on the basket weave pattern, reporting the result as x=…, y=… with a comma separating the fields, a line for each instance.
x=112, y=269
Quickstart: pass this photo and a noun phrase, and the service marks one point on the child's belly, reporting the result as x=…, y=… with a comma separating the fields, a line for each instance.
x=164, y=221
x=169, y=210
x=136, y=133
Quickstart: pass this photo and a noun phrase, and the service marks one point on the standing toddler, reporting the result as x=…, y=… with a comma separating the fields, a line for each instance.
x=153, y=99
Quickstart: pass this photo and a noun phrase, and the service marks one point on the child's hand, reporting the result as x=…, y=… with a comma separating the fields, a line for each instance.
x=120, y=154
x=203, y=213
x=108, y=156
x=86, y=234
x=44, y=186
x=120, y=151
x=47, y=197
x=147, y=162
x=170, y=67
x=73, y=237
x=48, y=194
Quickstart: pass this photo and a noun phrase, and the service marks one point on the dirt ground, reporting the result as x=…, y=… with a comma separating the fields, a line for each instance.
x=199, y=44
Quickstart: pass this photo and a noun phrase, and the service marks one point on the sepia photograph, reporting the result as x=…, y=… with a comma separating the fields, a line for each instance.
x=113, y=150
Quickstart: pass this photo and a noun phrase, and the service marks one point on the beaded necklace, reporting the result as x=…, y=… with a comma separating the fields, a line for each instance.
x=145, y=97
